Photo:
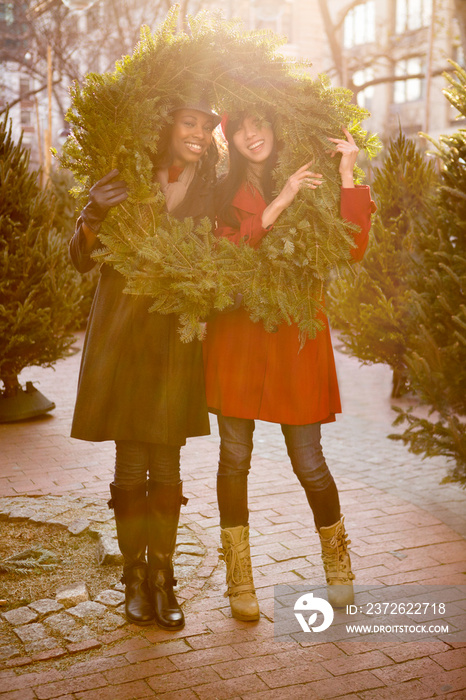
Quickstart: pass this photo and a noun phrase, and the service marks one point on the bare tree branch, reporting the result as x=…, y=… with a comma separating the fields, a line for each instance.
x=344, y=12
x=25, y=96
x=392, y=78
x=344, y=65
x=335, y=46
x=40, y=24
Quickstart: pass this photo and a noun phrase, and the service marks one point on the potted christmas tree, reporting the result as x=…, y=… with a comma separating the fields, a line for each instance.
x=436, y=356
x=39, y=291
x=372, y=309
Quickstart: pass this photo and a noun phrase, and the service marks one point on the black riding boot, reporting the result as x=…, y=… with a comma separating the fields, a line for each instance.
x=130, y=507
x=164, y=503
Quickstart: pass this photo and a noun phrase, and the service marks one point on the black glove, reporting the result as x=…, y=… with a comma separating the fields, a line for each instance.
x=102, y=196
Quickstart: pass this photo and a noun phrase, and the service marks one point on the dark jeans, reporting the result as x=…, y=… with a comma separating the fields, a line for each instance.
x=135, y=460
x=302, y=443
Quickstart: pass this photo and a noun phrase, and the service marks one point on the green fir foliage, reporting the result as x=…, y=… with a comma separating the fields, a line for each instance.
x=38, y=288
x=436, y=355
x=455, y=92
x=407, y=306
x=30, y=561
x=62, y=183
x=372, y=308
x=116, y=120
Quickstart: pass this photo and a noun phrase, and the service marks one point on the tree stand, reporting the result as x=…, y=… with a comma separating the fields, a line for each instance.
x=23, y=404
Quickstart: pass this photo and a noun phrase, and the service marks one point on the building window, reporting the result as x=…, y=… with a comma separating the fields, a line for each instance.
x=25, y=117
x=412, y=14
x=273, y=15
x=7, y=12
x=24, y=86
x=458, y=55
x=410, y=89
x=359, y=25
x=365, y=96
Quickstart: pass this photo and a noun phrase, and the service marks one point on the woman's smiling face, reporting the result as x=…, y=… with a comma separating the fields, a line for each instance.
x=191, y=136
x=254, y=139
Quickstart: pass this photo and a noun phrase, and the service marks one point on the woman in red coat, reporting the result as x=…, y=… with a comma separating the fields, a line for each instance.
x=252, y=374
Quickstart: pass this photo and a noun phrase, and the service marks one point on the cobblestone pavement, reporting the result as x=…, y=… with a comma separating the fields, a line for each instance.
x=407, y=531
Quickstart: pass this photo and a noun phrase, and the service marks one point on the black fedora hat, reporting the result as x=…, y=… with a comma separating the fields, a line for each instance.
x=200, y=105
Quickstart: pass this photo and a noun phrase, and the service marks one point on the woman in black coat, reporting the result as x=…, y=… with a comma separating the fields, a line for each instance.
x=139, y=385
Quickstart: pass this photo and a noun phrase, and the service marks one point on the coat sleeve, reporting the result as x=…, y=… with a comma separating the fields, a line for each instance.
x=81, y=259
x=357, y=206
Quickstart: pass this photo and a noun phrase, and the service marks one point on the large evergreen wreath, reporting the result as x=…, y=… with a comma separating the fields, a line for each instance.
x=116, y=119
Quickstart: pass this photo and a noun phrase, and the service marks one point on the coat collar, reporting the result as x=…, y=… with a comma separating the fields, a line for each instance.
x=249, y=199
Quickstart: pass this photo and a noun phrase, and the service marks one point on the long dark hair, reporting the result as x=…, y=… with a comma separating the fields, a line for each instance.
x=164, y=156
x=230, y=184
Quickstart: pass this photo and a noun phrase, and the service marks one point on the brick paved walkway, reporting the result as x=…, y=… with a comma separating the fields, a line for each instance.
x=406, y=529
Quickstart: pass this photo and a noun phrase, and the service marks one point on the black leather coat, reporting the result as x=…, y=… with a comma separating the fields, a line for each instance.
x=137, y=380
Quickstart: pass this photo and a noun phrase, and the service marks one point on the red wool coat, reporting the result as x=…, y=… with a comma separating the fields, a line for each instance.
x=251, y=373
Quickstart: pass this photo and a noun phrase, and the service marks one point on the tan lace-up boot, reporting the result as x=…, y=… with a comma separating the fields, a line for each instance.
x=236, y=554
x=337, y=564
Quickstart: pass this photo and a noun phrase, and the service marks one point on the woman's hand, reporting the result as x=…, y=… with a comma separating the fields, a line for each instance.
x=349, y=152
x=105, y=194
x=301, y=178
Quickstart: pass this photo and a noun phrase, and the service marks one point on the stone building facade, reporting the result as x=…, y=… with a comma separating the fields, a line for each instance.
x=377, y=40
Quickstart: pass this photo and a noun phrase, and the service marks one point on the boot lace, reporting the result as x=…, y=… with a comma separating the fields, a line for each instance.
x=336, y=559
x=239, y=569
